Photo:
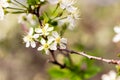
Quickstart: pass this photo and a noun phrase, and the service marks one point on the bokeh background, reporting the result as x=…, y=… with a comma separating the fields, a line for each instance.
x=93, y=34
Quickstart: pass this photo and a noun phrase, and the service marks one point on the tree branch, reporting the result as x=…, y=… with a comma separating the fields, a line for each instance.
x=110, y=61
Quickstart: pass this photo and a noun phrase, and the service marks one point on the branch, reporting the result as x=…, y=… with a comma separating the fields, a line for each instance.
x=110, y=61
x=54, y=61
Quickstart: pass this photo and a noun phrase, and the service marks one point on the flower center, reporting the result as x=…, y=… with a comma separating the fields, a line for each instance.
x=29, y=38
x=58, y=40
x=46, y=45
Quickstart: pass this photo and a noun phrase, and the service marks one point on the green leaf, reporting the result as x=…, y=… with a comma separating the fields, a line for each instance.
x=67, y=61
x=56, y=72
x=91, y=69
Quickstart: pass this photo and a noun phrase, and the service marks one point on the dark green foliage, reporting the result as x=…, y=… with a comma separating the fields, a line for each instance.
x=82, y=71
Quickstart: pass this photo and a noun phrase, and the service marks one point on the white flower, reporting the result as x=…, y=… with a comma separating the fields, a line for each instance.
x=68, y=5
x=46, y=45
x=71, y=19
x=3, y=3
x=58, y=40
x=45, y=30
x=117, y=36
x=30, y=39
x=112, y=75
x=27, y=17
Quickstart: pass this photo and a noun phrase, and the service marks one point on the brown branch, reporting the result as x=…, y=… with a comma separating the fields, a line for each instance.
x=36, y=12
x=110, y=61
x=54, y=61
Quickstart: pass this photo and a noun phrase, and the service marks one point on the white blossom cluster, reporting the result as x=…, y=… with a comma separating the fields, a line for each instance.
x=112, y=75
x=3, y=4
x=43, y=35
x=46, y=37
x=117, y=36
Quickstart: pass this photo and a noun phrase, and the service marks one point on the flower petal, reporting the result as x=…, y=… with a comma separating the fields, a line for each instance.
x=27, y=44
x=40, y=48
x=71, y=9
x=116, y=38
x=43, y=41
x=117, y=29
x=47, y=51
x=105, y=77
x=63, y=40
x=55, y=34
x=112, y=75
x=62, y=46
x=25, y=39
x=36, y=36
x=50, y=39
x=38, y=30
x=53, y=1
x=30, y=31
x=53, y=46
x=33, y=44
x=1, y=13
x=4, y=3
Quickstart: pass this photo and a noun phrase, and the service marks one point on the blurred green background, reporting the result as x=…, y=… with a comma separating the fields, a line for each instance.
x=93, y=34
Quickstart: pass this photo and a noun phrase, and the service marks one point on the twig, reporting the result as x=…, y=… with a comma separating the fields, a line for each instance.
x=38, y=15
x=110, y=61
x=54, y=61
x=67, y=55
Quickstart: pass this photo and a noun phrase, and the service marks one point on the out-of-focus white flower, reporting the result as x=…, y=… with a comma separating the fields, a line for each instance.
x=71, y=22
x=30, y=39
x=30, y=18
x=68, y=5
x=42, y=0
x=3, y=3
x=53, y=1
x=117, y=36
x=58, y=40
x=112, y=75
x=44, y=31
x=22, y=18
x=71, y=19
x=46, y=45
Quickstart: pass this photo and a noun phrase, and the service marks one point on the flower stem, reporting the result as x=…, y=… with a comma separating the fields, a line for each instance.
x=20, y=4
x=14, y=8
x=55, y=9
